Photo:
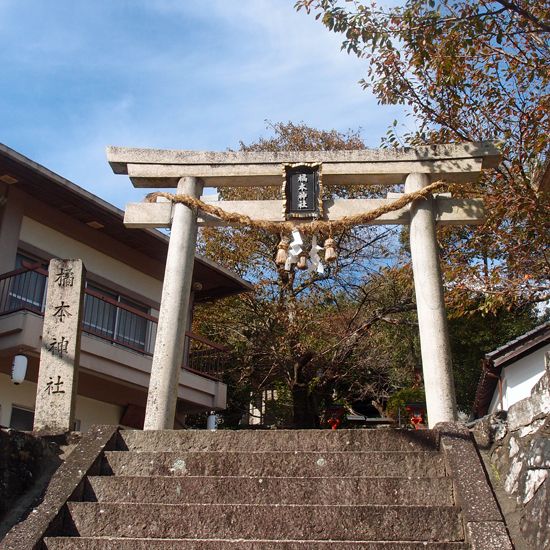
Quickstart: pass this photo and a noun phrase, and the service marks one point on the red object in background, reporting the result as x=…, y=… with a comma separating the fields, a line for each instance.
x=334, y=422
x=335, y=415
x=417, y=412
x=417, y=421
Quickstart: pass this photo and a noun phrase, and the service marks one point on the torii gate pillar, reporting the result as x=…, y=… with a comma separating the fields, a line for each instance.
x=170, y=341
x=430, y=304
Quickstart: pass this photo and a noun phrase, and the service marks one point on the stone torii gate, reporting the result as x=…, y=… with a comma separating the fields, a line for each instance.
x=190, y=171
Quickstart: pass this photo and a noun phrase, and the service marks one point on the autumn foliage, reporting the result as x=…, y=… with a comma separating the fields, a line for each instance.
x=469, y=70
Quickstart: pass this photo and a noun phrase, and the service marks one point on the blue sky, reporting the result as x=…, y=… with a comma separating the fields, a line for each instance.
x=78, y=75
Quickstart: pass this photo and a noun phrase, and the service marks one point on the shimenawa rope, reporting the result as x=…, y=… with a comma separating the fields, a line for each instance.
x=309, y=228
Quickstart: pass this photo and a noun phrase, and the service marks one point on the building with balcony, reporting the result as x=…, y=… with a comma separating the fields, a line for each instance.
x=43, y=216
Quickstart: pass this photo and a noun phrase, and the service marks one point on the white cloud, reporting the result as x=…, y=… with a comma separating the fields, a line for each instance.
x=168, y=73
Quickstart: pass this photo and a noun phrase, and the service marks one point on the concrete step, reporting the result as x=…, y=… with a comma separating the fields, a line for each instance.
x=69, y=543
x=278, y=522
x=278, y=440
x=271, y=490
x=276, y=464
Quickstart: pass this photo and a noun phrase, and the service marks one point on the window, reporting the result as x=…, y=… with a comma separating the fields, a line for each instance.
x=21, y=418
x=100, y=314
x=28, y=289
x=105, y=318
x=131, y=328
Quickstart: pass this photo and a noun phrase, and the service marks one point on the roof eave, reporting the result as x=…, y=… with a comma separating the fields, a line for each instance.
x=110, y=209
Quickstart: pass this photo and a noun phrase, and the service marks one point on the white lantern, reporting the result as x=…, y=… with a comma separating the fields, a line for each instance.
x=212, y=421
x=19, y=369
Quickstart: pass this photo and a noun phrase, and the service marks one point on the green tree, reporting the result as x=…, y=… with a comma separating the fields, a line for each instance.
x=469, y=70
x=474, y=335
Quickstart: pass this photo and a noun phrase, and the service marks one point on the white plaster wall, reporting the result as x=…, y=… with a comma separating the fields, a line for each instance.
x=88, y=411
x=62, y=246
x=519, y=378
x=495, y=402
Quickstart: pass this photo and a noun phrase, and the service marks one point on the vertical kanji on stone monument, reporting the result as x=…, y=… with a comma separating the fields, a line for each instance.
x=60, y=352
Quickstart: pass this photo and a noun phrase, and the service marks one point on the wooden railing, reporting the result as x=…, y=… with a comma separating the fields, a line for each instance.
x=104, y=317
x=206, y=357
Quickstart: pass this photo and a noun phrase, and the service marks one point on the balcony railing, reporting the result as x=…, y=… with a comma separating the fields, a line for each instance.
x=206, y=357
x=119, y=323
x=23, y=289
x=106, y=318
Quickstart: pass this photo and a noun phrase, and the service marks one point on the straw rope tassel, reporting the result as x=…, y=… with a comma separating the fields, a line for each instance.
x=282, y=251
x=330, y=250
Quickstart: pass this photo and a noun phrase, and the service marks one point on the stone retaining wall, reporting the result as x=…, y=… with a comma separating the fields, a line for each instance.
x=24, y=460
x=518, y=444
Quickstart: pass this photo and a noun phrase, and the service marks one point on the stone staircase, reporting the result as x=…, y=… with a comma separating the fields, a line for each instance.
x=317, y=489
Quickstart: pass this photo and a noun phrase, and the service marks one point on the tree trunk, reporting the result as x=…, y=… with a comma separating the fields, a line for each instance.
x=304, y=410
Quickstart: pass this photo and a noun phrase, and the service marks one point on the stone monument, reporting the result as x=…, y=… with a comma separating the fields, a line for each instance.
x=60, y=353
